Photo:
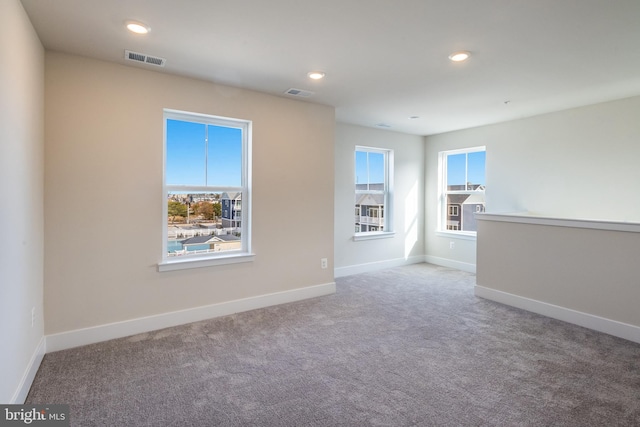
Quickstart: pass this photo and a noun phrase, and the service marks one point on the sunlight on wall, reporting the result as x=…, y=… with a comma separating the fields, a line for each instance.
x=411, y=220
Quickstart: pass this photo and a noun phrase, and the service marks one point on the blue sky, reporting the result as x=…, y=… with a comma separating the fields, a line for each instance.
x=187, y=150
x=369, y=168
x=476, y=168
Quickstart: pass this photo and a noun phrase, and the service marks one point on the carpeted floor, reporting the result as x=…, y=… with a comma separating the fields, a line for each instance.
x=409, y=346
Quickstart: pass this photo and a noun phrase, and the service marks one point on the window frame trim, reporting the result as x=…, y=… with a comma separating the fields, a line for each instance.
x=212, y=258
x=441, y=229
x=388, y=192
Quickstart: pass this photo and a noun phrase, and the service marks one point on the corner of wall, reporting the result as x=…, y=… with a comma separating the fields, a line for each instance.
x=21, y=178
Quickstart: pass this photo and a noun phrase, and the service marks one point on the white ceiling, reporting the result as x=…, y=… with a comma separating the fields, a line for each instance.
x=384, y=60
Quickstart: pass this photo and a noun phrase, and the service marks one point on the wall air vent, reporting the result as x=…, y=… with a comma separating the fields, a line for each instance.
x=299, y=93
x=144, y=58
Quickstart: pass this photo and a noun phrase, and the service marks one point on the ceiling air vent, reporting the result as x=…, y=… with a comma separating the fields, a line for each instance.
x=299, y=92
x=144, y=58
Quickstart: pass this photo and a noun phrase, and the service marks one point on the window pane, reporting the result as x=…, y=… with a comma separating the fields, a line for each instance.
x=224, y=156
x=454, y=201
x=369, y=212
x=370, y=169
x=196, y=223
x=185, y=153
x=376, y=171
x=232, y=211
x=472, y=204
x=465, y=176
x=461, y=209
x=476, y=169
x=362, y=173
x=456, y=164
x=205, y=183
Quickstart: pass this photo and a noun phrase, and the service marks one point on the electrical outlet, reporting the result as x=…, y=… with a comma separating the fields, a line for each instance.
x=33, y=316
x=324, y=263
x=452, y=245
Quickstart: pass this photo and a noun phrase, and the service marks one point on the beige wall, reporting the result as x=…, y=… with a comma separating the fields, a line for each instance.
x=408, y=242
x=578, y=163
x=103, y=194
x=21, y=195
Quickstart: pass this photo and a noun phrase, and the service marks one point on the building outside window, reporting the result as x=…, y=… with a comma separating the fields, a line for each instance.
x=206, y=187
x=462, y=189
x=373, y=190
x=231, y=210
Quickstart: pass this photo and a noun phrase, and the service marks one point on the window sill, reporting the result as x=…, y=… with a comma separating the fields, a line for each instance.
x=183, y=263
x=373, y=235
x=463, y=235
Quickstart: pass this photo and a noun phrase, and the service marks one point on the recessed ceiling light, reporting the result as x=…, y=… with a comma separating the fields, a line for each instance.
x=459, y=56
x=137, y=27
x=316, y=75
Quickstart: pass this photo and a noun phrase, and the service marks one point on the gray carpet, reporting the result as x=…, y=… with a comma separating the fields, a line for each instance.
x=402, y=347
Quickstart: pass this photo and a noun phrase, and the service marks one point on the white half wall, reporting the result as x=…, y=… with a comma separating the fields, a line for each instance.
x=407, y=245
x=21, y=201
x=582, y=272
x=577, y=163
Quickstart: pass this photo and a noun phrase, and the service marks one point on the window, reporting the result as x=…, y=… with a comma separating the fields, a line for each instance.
x=374, y=189
x=462, y=188
x=206, y=190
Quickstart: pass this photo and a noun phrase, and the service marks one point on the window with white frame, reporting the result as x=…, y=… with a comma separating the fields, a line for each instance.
x=206, y=189
x=462, y=189
x=374, y=189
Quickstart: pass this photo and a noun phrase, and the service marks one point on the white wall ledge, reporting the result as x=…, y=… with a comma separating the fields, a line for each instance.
x=183, y=263
x=373, y=235
x=462, y=235
x=531, y=218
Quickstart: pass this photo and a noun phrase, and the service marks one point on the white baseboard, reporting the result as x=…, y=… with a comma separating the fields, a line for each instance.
x=601, y=324
x=451, y=263
x=378, y=265
x=29, y=374
x=78, y=337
